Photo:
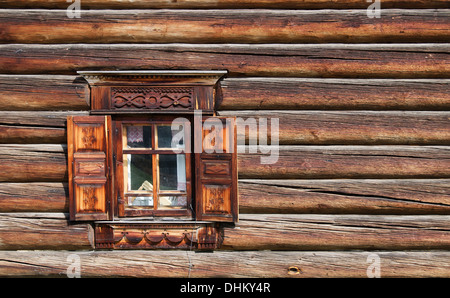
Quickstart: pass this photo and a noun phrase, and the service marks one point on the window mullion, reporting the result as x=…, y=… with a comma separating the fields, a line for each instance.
x=155, y=169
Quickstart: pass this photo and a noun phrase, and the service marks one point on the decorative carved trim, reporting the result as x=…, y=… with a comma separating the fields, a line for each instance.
x=200, y=76
x=90, y=199
x=88, y=137
x=206, y=236
x=155, y=98
x=153, y=91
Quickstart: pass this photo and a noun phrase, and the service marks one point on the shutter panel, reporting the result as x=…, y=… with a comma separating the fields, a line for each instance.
x=216, y=170
x=90, y=182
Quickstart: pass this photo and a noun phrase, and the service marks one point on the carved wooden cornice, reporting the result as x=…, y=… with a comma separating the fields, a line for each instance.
x=153, y=91
x=203, y=236
x=133, y=77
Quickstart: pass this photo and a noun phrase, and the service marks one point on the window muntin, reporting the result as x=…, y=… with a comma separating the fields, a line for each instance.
x=156, y=167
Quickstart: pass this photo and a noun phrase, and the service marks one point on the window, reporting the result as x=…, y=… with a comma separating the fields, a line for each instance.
x=155, y=162
x=153, y=149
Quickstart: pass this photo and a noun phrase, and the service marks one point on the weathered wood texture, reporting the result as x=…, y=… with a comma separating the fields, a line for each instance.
x=295, y=127
x=334, y=94
x=33, y=163
x=43, y=93
x=275, y=4
x=55, y=92
x=370, y=193
x=328, y=232
x=224, y=26
x=325, y=162
x=351, y=196
x=48, y=163
x=344, y=127
x=255, y=232
x=43, y=231
x=298, y=60
x=34, y=127
x=380, y=196
x=221, y=264
x=24, y=134
x=34, y=197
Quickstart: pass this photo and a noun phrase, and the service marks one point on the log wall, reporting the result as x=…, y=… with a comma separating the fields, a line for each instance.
x=364, y=130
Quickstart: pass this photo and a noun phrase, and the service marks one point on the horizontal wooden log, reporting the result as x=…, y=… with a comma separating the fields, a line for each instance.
x=43, y=231
x=53, y=92
x=33, y=163
x=24, y=134
x=339, y=196
x=295, y=127
x=327, y=162
x=48, y=163
x=34, y=197
x=343, y=127
x=229, y=264
x=224, y=26
x=318, y=94
x=53, y=119
x=352, y=196
x=327, y=232
x=43, y=93
x=293, y=60
x=41, y=127
x=276, y=4
x=33, y=231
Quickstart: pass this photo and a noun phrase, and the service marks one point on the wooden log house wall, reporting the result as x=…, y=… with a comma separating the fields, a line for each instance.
x=364, y=131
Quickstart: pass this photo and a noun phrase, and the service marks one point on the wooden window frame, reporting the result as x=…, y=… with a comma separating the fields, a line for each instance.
x=118, y=152
x=95, y=155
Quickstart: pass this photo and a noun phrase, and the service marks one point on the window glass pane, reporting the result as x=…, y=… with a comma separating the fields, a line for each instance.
x=172, y=172
x=140, y=172
x=140, y=201
x=166, y=135
x=178, y=202
x=139, y=136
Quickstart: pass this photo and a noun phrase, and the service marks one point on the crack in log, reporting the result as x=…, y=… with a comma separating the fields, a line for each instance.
x=341, y=193
x=28, y=264
x=379, y=155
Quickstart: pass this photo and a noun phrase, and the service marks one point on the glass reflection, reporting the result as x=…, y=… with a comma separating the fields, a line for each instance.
x=172, y=172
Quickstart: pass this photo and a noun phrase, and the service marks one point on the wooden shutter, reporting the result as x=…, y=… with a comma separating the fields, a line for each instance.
x=88, y=143
x=216, y=170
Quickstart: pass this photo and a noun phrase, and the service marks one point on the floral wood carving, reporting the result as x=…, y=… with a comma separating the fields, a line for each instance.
x=89, y=199
x=159, y=98
x=216, y=198
x=88, y=138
